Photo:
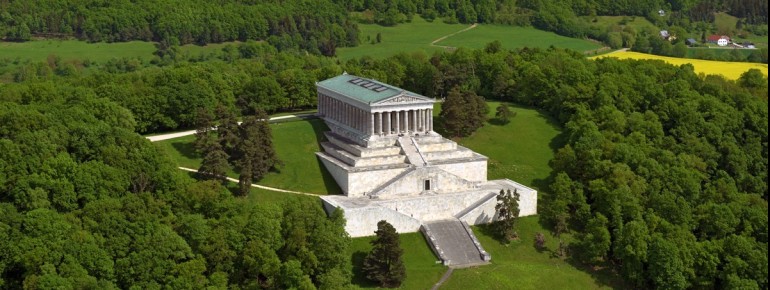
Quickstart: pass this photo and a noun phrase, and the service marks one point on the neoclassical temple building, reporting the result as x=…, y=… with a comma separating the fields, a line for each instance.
x=382, y=151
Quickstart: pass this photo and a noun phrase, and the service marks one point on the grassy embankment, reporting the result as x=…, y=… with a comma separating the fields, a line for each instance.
x=731, y=70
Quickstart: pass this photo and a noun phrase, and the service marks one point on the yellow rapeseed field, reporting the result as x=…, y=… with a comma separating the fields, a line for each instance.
x=731, y=70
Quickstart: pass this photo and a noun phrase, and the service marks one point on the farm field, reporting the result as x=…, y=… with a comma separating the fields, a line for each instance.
x=731, y=70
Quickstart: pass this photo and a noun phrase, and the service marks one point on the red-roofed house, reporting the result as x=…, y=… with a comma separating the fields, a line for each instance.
x=721, y=40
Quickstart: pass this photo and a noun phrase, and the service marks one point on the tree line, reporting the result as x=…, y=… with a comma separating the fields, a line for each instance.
x=315, y=26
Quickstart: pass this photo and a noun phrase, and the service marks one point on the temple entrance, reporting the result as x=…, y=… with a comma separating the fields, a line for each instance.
x=426, y=184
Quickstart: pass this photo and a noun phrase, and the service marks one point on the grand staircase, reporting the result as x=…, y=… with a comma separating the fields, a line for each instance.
x=454, y=243
x=410, y=150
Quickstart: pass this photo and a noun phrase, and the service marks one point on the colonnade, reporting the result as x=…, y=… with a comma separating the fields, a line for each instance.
x=399, y=121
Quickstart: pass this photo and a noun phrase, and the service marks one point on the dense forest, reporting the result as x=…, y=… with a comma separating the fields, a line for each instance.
x=662, y=176
x=320, y=27
x=315, y=26
x=85, y=202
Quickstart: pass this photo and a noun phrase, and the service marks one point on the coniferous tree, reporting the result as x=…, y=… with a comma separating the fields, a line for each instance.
x=214, y=164
x=254, y=154
x=503, y=113
x=507, y=211
x=227, y=130
x=383, y=264
x=204, y=123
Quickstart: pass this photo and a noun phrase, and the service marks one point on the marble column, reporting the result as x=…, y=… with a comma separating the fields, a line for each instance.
x=386, y=125
x=430, y=120
x=398, y=122
x=371, y=124
x=382, y=124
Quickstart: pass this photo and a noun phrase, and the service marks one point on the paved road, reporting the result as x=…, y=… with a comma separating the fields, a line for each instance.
x=162, y=137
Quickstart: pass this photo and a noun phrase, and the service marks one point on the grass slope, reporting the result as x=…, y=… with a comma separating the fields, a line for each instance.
x=519, y=150
x=516, y=37
x=519, y=265
x=295, y=144
x=405, y=37
x=731, y=70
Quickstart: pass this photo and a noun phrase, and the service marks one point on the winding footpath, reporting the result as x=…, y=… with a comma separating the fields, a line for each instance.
x=258, y=186
x=433, y=43
x=168, y=136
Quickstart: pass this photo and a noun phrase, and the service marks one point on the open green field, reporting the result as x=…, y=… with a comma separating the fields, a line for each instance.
x=515, y=37
x=405, y=37
x=419, y=34
x=295, y=144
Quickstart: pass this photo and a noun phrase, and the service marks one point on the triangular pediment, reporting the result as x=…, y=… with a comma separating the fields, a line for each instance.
x=403, y=99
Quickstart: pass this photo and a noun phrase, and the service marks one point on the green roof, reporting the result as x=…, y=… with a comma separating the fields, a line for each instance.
x=362, y=89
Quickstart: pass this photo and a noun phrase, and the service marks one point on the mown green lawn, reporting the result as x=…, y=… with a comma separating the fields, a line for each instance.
x=516, y=37
x=422, y=271
x=519, y=150
x=295, y=144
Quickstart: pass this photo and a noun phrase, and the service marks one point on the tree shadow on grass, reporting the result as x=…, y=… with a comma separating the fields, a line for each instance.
x=490, y=231
x=319, y=127
x=359, y=277
x=186, y=149
x=604, y=273
x=497, y=122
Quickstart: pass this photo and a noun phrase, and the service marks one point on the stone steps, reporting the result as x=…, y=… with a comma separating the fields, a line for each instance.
x=410, y=150
x=454, y=243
